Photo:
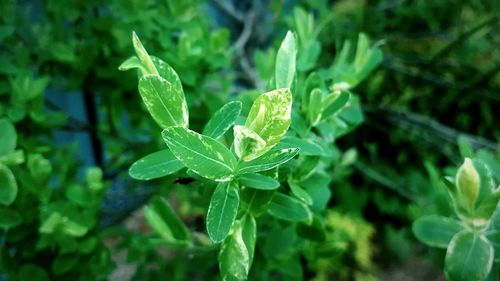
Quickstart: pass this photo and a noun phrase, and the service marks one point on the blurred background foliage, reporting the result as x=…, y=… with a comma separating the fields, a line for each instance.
x=434, y=99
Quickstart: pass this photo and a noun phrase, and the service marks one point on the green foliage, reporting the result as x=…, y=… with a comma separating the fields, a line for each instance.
x=470, y=253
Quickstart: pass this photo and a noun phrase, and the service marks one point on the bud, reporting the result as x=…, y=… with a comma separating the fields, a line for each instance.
x=468, y=182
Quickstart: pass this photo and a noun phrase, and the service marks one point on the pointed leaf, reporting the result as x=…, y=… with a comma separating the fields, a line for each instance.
x=222, y=120
x=164, y=101
x=222, y=211
x=288, y=208
x=248, y=145
x=315, y=106
x=268, y=161
x=155, y=165
x=335, y=102
x=204, y=155
x=285, y=62
x=436, y=231
x=468, y=258
x=259, y=181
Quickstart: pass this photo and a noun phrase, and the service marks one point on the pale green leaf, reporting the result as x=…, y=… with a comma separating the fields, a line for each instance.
x=248, y=145
x=285, y=62
x=288, y=208
x=315, y=106
x=436, y=231
x=222, y=120
x=270, y=117
x=469, y=257
x=204, y=155
x=155, y=165
x=8, y=186
x=143, y=55
x=259, y=181
x=268, y=161
x=164, y=101
x=234, y=261
x=222, y=211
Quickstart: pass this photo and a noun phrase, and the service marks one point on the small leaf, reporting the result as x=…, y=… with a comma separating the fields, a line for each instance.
x=285, y=62
x=165, y=221
x=270, y=117
x=268, y=161
x=204, y=155
x=468, y=258
x=9, y=218
x=64, y=263
x=307, y=147
x=222, y=211
x=8, y=137
x=259, y=181
x=255, y=201
x=248, y=145
x=222, y=120
x=155, y=165
x=234, y=261
x=335, y=102
x=8, y=186
x=436, y=231
x=143, y=55
x=300, y=193
x=164, y=101
x=290, y=209
x=315, y=106
x=131, y=63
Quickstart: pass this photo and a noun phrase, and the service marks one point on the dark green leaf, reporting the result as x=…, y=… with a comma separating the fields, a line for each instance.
x=222, y=211
x=287, y=208
x=268, y=161
x=259, y=181
x=256, y=201
x=8, y=137
x=335, y=102
x=31, y=272
x=204, y=155
x=155, y=165
x=222, y=120
x=436, y=231
x=9, y=218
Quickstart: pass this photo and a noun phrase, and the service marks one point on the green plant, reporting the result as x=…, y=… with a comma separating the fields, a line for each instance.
x=471, y=237
x=257, y=176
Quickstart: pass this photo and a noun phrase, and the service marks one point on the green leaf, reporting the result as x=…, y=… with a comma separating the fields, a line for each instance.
x=288, y=208
x=204, y=155
x=222, y=211
x=315, y=106
x=155, y=165
x=494, y=238
x=248, y=144
x=222, y=120
x=9, y=218
x=164, y=101
x=143, y=55
x=314, y=231
x=31, y=272
x=307, y=147
x=8, y=137
x=8, y=186
x=270, y=117
x=468, y=258
x=64, y=263
x=259, y=181
x=234, y=261
x=268, y=161
x=249, y=234
x=335, y=102
x=436, y=231
x=131, y=63
x=255, y=201
x=165, y=221
x=300, y=193
x=285, y=62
